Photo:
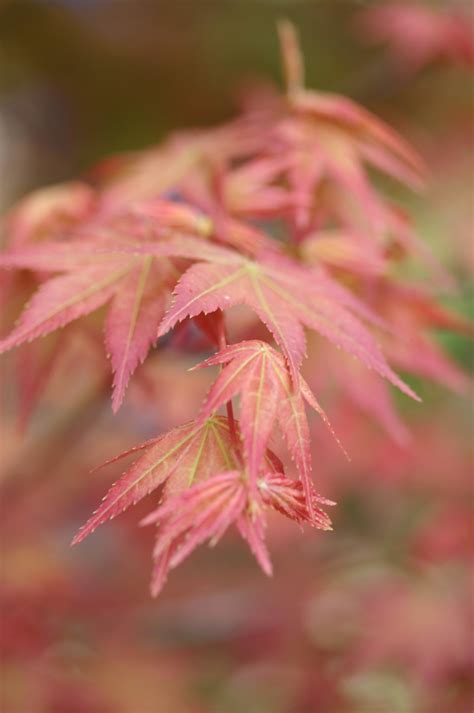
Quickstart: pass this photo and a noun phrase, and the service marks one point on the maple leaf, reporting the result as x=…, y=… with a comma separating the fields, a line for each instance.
x=343, y=250
x=111, y=244
x=131, y=325
x=412, y=312
x=285, y=296
x=135, y=287
x=206, y=510
x=202, y=497
x=288, y=497
x=252, y=189
x=396, y=238
x=185, y=455
x=111, y=268
x=259, y=373
x=328, y=138
x=150, y=173
x=209, y=221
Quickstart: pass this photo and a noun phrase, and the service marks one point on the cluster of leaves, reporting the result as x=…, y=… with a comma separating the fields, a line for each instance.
x=275, y=212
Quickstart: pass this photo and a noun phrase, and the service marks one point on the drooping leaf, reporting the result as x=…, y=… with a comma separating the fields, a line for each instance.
x=327, y=140
x=187, y=519
x=287, y=496
x=63, y=299
x=202, y=497
x=259, y=373
x=346, y=378
x=183, y=456
x=413, y=313
x=205, y=511
x=95, y=273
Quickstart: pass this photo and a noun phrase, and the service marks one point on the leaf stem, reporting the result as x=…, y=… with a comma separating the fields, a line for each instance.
x=229, y=407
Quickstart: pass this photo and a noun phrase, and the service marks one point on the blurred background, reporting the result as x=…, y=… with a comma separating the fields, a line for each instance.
x=374, y=617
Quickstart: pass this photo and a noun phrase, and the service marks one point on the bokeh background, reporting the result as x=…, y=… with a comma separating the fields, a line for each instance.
x=374, y=617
